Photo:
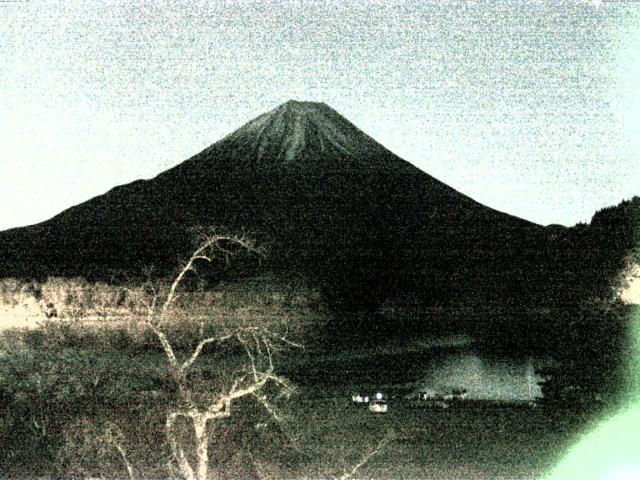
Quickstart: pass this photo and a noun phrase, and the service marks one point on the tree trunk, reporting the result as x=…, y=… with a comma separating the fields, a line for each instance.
x=178, y=453
x=202, y=445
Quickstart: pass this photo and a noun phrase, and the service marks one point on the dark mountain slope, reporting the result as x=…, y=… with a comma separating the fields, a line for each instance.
x=330, y=201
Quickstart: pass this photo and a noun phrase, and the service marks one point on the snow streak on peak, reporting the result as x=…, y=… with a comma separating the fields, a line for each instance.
x=288, y=130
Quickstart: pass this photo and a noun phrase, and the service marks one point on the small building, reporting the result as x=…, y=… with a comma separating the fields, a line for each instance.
x=360, y=398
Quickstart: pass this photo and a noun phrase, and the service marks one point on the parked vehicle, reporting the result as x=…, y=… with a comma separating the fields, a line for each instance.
x=378, y=406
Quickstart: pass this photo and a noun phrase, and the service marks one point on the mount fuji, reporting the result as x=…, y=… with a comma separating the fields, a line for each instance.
x=329, y=201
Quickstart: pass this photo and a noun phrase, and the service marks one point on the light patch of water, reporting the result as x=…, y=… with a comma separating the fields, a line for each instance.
x=484, y=377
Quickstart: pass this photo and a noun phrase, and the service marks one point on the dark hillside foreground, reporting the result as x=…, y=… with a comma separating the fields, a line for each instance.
x=473, y=441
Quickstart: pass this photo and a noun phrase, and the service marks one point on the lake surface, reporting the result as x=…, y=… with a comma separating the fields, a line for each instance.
x=484, y=376
x=441, y=367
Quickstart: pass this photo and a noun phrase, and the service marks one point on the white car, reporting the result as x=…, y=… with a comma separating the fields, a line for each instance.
x=378, y=407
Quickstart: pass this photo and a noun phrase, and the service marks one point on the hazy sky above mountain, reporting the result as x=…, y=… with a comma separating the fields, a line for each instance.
x=530, y=107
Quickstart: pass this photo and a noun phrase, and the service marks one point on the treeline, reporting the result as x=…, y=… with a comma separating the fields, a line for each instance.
x=588, y=327
x=591, y=259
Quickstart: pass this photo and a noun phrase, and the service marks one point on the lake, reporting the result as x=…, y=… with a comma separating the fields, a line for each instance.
x=439, y=365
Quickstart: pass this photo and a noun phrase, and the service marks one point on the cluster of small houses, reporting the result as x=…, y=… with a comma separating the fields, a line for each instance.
x=428, y=398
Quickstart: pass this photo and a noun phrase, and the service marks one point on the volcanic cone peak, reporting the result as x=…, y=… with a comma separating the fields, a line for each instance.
x=294, y=127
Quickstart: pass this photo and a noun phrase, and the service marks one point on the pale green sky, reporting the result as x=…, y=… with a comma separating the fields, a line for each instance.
x=530, y=107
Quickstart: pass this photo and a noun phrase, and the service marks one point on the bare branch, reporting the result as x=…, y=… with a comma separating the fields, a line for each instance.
x=196, y=352
x=166, y=346
x=123, y=454
x=209, y=242
x=252, y=359
x=260, y=380
x=202, y=257
x=262, y=399
x=269, y=357
x=151, y=308
x=368, y=456
x=266, y=332
x=257, y=344
x=237, y=382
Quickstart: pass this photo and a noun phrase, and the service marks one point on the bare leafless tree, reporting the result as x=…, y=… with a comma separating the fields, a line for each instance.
x=257, y=341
